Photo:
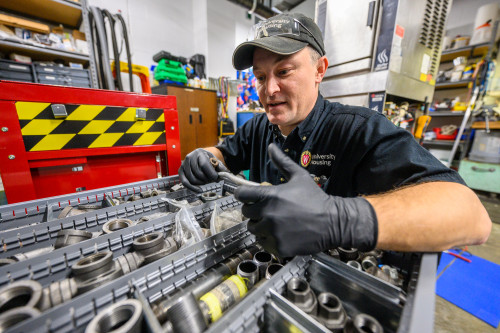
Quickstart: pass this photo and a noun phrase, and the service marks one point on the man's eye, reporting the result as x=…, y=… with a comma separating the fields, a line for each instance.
x=260, y=78
x=283, y=72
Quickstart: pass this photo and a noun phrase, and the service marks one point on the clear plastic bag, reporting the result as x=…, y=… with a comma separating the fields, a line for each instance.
x=224, y=220
x=187, y=230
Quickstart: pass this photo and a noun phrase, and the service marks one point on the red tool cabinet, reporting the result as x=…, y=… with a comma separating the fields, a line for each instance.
x=56, y=140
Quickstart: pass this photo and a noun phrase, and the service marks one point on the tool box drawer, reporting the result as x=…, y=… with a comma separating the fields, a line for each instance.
x=6, y=65
x=63, y=80
x=76, y=72
x=11, y=70
x=480, y=176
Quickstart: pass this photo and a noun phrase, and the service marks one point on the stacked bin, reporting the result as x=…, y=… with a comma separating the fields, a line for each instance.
x=32, y=229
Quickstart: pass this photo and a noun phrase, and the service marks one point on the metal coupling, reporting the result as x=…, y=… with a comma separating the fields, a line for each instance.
x=15, y=316
x=363, y=323
x=375, y=271
x=116, y=224
x=209, y=196
x=262, y=259
x=299, y=293
x=92, y=265
x=369, y=261
x=331, y=313
x=27, y=293
x=347, y=254
x=249, y=272
x=31, y=254
x=153, y=247
x=71, y=236
x=355, y=264
x=86, y=285
x=272, y=269
x=58, y=292
x=393, y=275
x=186, y=316
x=122, y=317
x=130, y=262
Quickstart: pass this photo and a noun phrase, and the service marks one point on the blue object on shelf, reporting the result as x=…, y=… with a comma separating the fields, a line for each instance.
x=243, y=116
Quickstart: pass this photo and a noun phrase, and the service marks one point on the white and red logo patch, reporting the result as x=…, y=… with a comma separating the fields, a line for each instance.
x=305, y=158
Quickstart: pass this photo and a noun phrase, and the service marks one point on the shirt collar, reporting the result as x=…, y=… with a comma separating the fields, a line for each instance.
x=305, y=128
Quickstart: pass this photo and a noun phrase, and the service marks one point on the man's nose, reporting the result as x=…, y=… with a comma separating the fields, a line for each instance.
x=272, y=86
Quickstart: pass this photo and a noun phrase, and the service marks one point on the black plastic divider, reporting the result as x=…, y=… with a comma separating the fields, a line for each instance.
x=34, y=211
x=172, y=271
x=32, y=237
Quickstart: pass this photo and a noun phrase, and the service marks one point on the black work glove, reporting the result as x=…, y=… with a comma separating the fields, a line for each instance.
x=197, y=169
x=298, y=218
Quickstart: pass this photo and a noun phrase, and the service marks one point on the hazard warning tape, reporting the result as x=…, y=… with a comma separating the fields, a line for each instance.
x=88, y=126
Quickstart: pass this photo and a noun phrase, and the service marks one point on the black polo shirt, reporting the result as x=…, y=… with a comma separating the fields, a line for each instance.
x=359, y=150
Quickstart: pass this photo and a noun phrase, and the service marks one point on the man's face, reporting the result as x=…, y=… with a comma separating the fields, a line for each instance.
x=287, y=86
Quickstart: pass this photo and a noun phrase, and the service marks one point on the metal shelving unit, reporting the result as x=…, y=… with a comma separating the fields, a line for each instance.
x=69, y=13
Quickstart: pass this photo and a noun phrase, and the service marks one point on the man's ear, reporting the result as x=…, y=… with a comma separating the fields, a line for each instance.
x=322, y=66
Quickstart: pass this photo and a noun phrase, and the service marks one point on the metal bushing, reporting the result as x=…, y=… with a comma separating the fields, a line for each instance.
x=92, y=265
x=348, y=254
x=148, y=244
x=71, y=236
x=331, y=313
x=169, y=246
x=6, y=261
x=130, y=262
x=209, y=196
x=15, y=316
x=369, y=261
x=262, y=259
x=300, y=294
x=31, y=254
x=122, y=317
x=272, y=269
x=89, y=284
x=363, y=323
x=186, y=316
x=21, y=293
x=58, y=292
x=355, y=264
x=249, y=271
x=115, y=225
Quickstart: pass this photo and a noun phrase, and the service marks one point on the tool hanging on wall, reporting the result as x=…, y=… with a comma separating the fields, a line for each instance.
x=226, y=126
x=97, y=19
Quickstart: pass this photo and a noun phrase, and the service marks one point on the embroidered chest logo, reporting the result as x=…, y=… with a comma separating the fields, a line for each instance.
x=305, y=158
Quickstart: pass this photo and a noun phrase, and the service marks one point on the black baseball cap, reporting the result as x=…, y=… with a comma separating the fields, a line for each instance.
x=282, y=34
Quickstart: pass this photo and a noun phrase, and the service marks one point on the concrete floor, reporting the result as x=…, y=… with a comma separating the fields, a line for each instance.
x=450, y=318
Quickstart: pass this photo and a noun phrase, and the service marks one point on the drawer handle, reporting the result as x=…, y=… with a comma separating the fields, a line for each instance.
x=475, y=168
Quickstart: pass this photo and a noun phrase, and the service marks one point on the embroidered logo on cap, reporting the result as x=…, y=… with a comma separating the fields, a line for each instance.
x=305, y=158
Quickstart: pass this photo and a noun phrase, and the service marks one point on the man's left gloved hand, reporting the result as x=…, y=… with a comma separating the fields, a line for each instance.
x=298, y=218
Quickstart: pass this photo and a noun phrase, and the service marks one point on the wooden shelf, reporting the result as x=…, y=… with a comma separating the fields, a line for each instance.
x=66, y=12
x=467, y=51
x=482, y=125
x=452, y=85
x=43, y=53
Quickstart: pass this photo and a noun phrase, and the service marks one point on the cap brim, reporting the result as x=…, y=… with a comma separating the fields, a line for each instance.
x=243, y=55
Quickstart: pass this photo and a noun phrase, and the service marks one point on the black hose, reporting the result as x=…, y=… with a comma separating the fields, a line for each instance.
x=116, y=54
x=129, y=58
x=108, y=81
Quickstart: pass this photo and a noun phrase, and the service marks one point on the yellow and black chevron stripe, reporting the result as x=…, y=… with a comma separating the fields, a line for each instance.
x=88, y=126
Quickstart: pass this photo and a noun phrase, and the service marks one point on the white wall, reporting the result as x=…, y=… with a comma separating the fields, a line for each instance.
x=462, y=15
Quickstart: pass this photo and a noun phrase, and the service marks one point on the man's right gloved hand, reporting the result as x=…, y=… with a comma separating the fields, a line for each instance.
x=197, y=169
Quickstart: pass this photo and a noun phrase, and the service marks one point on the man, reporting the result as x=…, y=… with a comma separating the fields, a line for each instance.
x=383, y=190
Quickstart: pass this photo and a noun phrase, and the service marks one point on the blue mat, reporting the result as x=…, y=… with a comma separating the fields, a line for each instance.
x=474, y=286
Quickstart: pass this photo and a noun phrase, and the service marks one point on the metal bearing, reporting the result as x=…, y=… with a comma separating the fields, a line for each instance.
x=21, y=293
x=93, y=265
x=71, y=236
x=115, y=225
x=15, y=316
x=149, y=244
x=122, y=317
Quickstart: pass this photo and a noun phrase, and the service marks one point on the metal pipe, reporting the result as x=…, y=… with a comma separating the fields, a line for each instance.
x=186, y=316
x=250, y=272
x=272, y=269
x=262, y=259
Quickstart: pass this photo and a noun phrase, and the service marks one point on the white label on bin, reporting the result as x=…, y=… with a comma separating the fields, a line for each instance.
x=51, y=70
x=17, y=67
x=50, y=78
